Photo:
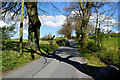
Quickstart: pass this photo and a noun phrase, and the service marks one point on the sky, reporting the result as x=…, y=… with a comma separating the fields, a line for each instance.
x=51, y=21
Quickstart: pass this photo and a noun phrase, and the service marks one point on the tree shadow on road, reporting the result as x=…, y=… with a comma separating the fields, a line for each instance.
x=97, y=73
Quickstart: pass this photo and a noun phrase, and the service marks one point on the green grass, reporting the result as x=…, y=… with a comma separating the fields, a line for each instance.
x=0, y=61
x=43, y=42
x=110, y=42
x=17, y=40
x=92, y=59
x=12, y=58
x=109, y=54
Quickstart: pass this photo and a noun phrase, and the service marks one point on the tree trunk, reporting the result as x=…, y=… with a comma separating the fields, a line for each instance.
x=100, y=36
x=34, y=26
x=69, y=36
x=83, y=38
x=77, y=35
x=84, y=32
x=85, y=20
x=96, y=30
x=21, y=27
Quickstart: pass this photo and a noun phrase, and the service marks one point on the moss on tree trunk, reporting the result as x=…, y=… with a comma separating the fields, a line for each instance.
x=21, y=27
x=34, y=26
x=83, y=39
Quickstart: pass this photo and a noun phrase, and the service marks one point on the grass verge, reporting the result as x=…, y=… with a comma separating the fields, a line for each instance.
x=13, y=59
x=109, y=55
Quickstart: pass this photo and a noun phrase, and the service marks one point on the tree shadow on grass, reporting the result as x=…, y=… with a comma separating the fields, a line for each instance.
x=12, y=45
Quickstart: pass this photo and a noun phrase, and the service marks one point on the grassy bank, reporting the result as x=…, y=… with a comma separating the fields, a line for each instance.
x=109, y=55
x=13, y=59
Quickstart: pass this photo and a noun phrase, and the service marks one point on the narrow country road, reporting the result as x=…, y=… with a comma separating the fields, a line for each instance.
x=65, y=62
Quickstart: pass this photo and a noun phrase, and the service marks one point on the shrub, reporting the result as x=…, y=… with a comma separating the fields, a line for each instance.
x=61, y=42
x=110, y=57
x=92, y=36
x=73, y=37
x=48, y=37
x=49, y=48
x=85, y=51
x=92, y=47
x=7, y=32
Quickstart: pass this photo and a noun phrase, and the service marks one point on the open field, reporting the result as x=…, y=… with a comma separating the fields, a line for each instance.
x=111, y=42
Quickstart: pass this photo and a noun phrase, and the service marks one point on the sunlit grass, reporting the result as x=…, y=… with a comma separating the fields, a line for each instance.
x=17, y=40
x=12, y=58
x=109, y=51
x=110, y=42
x=43, y=42
x=93, y=60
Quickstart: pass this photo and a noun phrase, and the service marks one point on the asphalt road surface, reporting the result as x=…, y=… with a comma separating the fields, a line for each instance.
x=65, y=62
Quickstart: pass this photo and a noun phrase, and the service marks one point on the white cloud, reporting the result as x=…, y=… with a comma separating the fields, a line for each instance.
x=107, y=24
x=106, y=20
x=50, y=24
x=52, y=21
x=2, y=23
x=49, y=21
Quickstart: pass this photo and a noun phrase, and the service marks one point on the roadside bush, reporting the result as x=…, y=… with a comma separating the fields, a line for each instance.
x=92, y=36
x=61, y=42
x=47, y=37
x=48, y=48
x=73, y=37
x=112, y=35
x=92, y=47
x=110, y=57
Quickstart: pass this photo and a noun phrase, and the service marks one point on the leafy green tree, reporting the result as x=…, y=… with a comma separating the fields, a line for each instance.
x=99, y=14
x=34, y=22
x=7, y=32
x=30, y=10
x=83, y=11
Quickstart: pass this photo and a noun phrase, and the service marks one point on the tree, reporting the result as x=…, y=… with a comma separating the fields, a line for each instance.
x=90, y=29
x=67, y=29
x=78, y=29
x=34, y=22
x=83, y=10
x=47, y=37
x=21, y=26
x=76, y=23
x=86, y=13
x=7, y=32
x=31, y=10
x=101, y=19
